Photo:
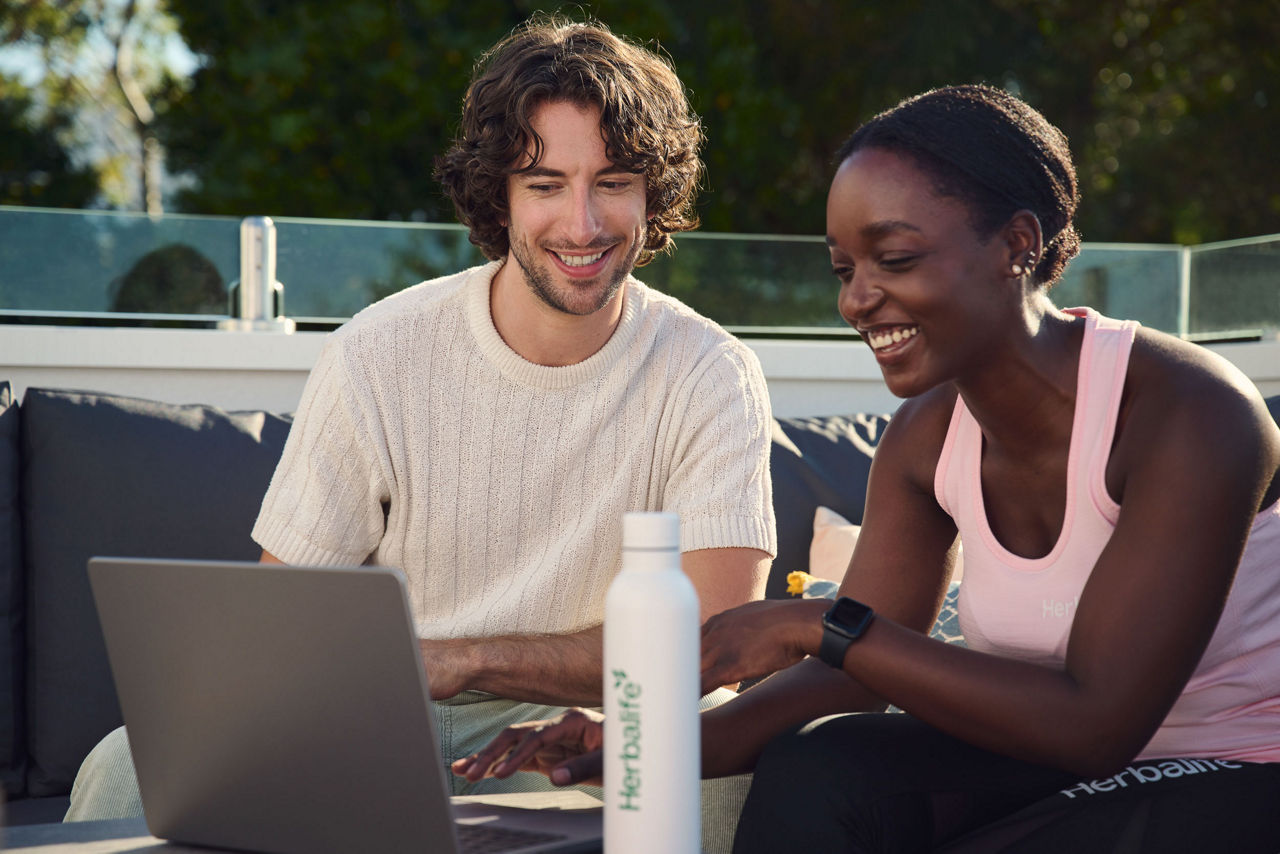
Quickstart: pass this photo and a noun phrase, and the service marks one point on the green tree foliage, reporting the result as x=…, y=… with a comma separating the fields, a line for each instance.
x=1169, y=107
x=337, y=108
x=1169, y=104
x=35, y=167
x=325, y=108
x=101, y=73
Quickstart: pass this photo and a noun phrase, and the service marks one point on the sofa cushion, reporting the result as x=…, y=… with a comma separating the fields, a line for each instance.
x=819, y=461
x=12, y=749
x=110, y=475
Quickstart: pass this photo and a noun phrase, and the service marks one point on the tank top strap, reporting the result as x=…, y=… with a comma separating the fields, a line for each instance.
x=1104, y=364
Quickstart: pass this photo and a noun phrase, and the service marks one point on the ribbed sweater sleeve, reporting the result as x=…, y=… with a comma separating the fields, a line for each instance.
x=324, y=505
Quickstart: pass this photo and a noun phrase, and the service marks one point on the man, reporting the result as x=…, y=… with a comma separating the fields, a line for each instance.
x=486, y=431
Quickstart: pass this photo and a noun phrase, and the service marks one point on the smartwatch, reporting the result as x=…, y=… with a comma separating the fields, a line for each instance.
x=843, y=624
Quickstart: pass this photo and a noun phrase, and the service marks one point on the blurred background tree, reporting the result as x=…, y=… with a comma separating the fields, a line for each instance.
x=336, y=108
x=35, y=167
x=98, y=70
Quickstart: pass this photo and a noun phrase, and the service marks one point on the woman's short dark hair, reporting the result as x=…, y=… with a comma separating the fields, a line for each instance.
x=992, y=151
x=648, y=125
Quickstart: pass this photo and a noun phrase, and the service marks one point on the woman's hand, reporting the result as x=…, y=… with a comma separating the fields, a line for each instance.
x=566, y=748
x=759, y=638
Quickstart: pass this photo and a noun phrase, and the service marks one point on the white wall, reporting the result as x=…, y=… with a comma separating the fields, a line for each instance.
x=1260, y=362
x=233, y=370
x=822, y=377
x=242, y=370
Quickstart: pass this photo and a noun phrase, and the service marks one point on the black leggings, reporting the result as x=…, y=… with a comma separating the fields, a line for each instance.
x=889, y=783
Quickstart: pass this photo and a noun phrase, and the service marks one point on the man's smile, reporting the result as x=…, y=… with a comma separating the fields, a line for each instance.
x=578, y=260
x=581, y=265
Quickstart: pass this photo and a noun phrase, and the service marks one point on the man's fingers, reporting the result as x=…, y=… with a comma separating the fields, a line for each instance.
x=475, y=767
x=535, y=746
x=481, y=763
x=525, y=751
x=564, y=734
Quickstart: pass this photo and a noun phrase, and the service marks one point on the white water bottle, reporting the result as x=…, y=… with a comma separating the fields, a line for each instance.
x=652, y=736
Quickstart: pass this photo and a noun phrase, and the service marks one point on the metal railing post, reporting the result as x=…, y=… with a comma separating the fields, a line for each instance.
x=257, y=299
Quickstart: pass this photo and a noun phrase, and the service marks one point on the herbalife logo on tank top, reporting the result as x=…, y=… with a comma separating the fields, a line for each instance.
x=628, y=695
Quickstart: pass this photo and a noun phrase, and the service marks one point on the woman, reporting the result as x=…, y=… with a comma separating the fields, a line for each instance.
x=1118, y=495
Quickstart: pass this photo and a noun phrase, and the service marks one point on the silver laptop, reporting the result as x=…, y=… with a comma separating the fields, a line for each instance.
x=285, y=709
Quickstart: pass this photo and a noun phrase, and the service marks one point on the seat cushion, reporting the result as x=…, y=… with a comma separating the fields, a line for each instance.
x=111, y=475
x=12, y=751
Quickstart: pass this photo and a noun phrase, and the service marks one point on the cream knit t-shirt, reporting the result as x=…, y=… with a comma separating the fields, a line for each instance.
x=424, y=442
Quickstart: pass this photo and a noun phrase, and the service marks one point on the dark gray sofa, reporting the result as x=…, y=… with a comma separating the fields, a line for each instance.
x=84, y=474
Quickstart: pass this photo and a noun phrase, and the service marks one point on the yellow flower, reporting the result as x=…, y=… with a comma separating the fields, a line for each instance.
x=797, y=582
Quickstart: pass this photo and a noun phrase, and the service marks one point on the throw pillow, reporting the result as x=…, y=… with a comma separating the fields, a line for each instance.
x=833, y=540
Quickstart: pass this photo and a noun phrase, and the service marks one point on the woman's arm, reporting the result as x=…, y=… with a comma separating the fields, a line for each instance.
x=1144, y=619
x=901, y=565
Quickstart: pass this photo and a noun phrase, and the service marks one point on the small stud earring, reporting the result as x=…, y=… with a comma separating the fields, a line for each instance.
x=1017, y=269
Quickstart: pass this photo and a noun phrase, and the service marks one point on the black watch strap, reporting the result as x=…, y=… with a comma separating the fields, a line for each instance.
x=834, y=646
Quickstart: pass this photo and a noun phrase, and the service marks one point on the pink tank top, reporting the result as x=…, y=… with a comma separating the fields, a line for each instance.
x=1023, y=607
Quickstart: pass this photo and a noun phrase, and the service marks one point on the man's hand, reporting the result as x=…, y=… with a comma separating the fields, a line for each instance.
x=759, y=638
x=566, y=748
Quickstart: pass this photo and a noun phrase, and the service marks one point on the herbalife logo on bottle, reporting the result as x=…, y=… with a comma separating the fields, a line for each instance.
x=628, y=695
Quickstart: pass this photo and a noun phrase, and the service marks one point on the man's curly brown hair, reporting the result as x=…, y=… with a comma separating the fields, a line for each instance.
x=648, y=126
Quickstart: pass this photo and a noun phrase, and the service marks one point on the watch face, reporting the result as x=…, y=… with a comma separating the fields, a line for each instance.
x=848, y=616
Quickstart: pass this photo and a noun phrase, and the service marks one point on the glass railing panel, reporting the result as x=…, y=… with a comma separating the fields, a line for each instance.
x=87, y=262
x=1132, y=281
x=1236, y=288
x=334, y=268
x=106, y=265
x=751, y=281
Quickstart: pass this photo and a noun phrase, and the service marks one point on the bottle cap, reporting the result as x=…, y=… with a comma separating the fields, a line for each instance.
x=651, y=531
